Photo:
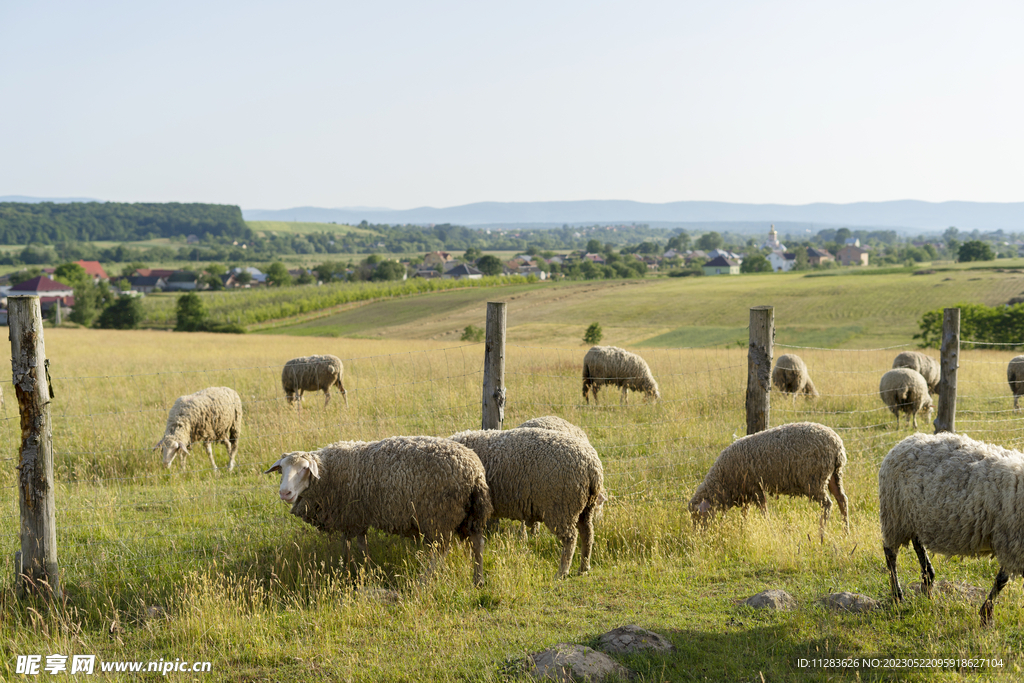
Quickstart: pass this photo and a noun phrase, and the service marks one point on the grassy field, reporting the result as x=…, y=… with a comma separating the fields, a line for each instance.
x=299, y=227
x=205, y=566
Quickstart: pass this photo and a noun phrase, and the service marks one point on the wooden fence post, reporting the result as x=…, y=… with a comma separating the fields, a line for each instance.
x=494, y=367
x=38, y=557
x=945, y=415
x=759, y=367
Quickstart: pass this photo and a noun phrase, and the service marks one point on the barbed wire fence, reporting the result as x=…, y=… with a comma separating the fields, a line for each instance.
x=124, y=521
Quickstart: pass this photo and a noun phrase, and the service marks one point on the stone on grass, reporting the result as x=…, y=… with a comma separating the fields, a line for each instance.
x=627, y=639
x=850, y=602
x=774, y=599
x=571, y=663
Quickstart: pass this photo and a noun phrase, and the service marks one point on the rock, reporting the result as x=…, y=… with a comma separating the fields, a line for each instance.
x=772, y=599
x=850, y=602
x=574, y=663
x=626, y=639
x=958, y=588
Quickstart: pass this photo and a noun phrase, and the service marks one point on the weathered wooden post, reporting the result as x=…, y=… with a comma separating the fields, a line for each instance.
x=759, y=367
x=945, y=415
x=38, y=557
x=494, y=367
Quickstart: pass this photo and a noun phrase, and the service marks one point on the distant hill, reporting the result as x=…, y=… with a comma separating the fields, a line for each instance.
x=35, y=200
x=904, y=215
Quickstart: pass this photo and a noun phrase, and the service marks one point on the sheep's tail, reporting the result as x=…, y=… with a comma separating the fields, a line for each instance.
x=588, y=381
x=478, y=511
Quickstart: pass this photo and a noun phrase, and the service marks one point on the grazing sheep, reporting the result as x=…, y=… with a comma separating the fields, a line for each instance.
x=924, y=364
x=539, y=475
x=905, y=390
x=312, y=373
x=210, y=415
x=1015, y=376
x=555, y=424
x=618, y=367
x=799, y=459
x=414, y=486
x=790, y=376
x=952, y=495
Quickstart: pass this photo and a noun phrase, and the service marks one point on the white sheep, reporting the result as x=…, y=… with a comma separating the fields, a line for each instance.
x=618, y=367
x=799, y=459
x=210, y=415
x=952, y=495
x=1015, y=376
x=312, y=373
x=905, y=390
x=539, y=475
x=790, y=376
x=922, y=363
x=414, y=486
x=555, y=424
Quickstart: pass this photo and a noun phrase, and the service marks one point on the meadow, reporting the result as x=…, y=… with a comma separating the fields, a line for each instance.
x=209, y=566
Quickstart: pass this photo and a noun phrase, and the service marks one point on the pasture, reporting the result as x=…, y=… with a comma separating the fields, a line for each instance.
x=202, y=565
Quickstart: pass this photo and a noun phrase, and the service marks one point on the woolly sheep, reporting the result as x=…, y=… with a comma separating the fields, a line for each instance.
x=924, y=364
x=213, y=414
x=539, y=475
x=312, y=373
x=1015, y=376
x=905, y=390
x=618, y=367
x=414, y=486
x=790, y=376
x=555, y=424
x=952, y=495
x=799, y=459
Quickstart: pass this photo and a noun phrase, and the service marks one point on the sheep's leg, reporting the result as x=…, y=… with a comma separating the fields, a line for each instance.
x=341, y=388
x=1016, y=408
x=585, y=526
x=477, y=540
x=624, y=401
x=826, y=509
x=232, y=445
x=894, y=579
x=986, y=608
x=927, y=572
x=209, y=452
x=835, y=485
x=913, y=414
x=568, y=550
x=327, y=396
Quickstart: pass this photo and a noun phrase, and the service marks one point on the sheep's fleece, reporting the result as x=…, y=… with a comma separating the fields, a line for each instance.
x=922, y=363
x=799, y=459
x=618, y=367
x=555, y=424
x=953, y=495
x=1015, y=377
x=313, y=373
x=905, y=390
x=211, y=415
x=539, y=475
x=790, y=376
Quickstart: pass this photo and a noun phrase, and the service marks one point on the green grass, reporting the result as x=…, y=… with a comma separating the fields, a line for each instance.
x=305, y=228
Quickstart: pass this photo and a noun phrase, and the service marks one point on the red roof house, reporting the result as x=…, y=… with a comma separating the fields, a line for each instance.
x=94, y=269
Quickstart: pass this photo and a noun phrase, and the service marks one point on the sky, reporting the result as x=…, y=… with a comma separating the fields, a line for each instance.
x=273, y=105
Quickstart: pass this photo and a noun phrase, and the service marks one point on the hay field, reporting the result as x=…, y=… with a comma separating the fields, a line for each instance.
x=210, y=566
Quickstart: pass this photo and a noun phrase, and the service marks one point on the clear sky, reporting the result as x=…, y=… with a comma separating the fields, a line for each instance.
x=405, y=104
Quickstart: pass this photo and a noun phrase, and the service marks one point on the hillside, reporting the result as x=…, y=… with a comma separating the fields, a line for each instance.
x=842, y=311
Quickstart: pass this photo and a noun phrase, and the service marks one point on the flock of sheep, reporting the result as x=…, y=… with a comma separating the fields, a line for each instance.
x=945, y=492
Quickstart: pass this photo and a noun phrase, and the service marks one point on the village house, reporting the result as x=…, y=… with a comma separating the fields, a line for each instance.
x=182, y=281
x=853, y=256
x=437, y=259
x=146, y=284
x=721, y=266
x=50, y=292
x=463, y=272
x=782, y=262
x=94, y=270
x=816, y=257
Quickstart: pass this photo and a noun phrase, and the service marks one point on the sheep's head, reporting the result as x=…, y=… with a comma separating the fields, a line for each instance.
x=297, y=470
x=651, y=392
x=927, y=407
x=170, y=447
x=701, y=510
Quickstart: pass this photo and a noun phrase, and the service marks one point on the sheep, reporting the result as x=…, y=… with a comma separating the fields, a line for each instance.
x=799, y=459
x=555, y=424
x=953, y=495
x=414, y=486
x=924, y=364
x=618, y=367
x=213, y=414
x=905, y=390
x=312, y=373
x=539, y=475
x=790, y=376
x=1015, y=376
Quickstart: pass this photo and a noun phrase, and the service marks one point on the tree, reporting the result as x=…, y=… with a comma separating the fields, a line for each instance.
x=472, y=254
x=593, y=246
x=472, y=333
x=975, y=250
x=190, y=314
x=71, y=274
x=755, y=262
x=710, y=240
x=277, y=275
x=594, y=334
x=388, y=270
x=86, y=301
x=680, y=242
x=126, y=313
x=802, y=262
x=490, y=265
x=243, y=277
x=842, y=234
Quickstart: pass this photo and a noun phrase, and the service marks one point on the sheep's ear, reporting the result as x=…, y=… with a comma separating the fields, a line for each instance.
x=182, y=447
x=157, y=446
x=314, y=469
x=276, y=467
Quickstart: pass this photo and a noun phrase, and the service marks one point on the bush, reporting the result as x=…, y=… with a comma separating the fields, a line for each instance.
x=594, y=334
x=472, y=334
x=126, y=313
x=190, y=314
x=975, y=250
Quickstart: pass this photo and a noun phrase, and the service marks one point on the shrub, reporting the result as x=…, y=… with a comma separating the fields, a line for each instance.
x=473, y=334
x=126, y=313
x=190, y=314
x=594, y=334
